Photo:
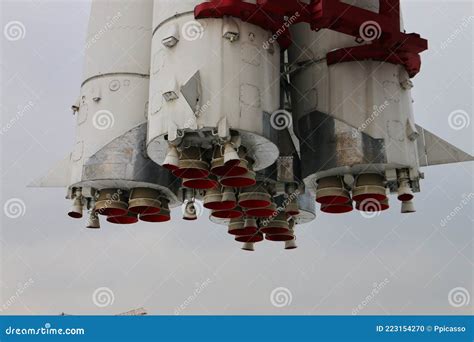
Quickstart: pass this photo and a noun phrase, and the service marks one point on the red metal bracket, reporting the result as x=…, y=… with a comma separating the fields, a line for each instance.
x=348, y=19
x=251, y=13
x=379, y=31
x=411, y=61
x=382, y=30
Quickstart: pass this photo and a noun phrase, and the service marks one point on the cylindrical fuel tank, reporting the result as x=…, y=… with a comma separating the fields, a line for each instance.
x=112, y=108
x=353, y=117
x=211, y=79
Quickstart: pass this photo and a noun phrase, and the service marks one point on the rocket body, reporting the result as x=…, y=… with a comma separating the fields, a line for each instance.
x=183, y=101
x=211, y=80
x=354, y=117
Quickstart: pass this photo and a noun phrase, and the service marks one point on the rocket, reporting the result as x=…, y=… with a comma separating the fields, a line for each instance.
x=263, y=110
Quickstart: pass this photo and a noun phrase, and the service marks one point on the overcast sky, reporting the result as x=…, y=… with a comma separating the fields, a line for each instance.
x=414, y=260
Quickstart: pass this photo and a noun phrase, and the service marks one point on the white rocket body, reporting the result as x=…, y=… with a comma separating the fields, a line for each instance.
x=114, y=93
x=219, y=78
x=354, y=117
x=111, y=112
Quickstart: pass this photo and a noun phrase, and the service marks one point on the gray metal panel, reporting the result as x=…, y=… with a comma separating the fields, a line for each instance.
x=327, y=143
x=192, y=92
x=123, y=163
x=287, y=168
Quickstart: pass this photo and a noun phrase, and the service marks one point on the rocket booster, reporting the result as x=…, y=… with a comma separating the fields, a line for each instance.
x=259, y=109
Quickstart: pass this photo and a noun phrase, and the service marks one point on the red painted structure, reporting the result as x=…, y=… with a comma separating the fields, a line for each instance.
x=388, y=45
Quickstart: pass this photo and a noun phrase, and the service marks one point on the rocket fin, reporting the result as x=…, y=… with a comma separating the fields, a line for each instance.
x=192, y=93
x=433, y=150
x=57, y=177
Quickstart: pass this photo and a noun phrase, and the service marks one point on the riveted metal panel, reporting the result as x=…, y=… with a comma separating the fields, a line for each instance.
x=240, y=81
